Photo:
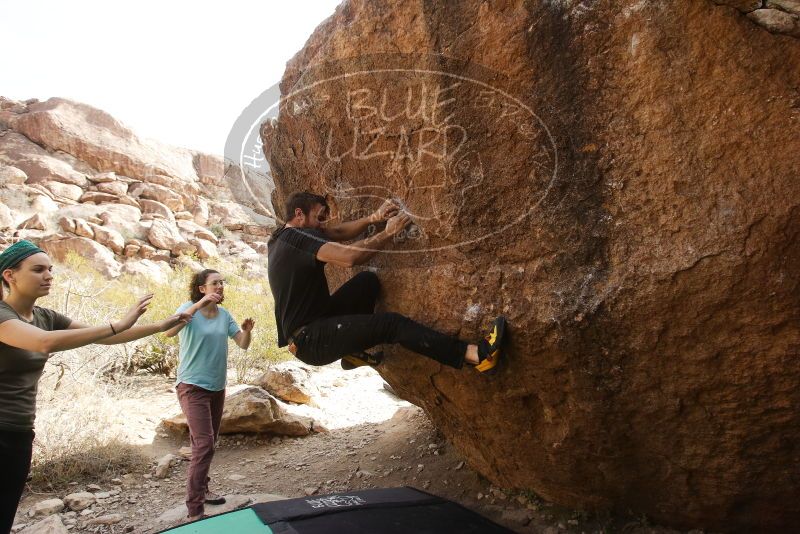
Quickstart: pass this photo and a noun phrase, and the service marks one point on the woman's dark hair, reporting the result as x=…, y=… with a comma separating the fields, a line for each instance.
x=303, y=200
x=199, y=279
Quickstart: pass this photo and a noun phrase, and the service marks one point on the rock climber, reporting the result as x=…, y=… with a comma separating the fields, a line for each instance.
x=319, y=327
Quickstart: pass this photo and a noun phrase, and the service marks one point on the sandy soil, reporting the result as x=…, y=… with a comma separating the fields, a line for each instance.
x=374, y=440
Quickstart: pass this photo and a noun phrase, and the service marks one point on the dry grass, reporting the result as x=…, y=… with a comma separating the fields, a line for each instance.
x=80, y=432
x=80, y=435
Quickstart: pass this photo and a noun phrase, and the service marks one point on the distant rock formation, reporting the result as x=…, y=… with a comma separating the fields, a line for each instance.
x=620, y=179
x=73, y=178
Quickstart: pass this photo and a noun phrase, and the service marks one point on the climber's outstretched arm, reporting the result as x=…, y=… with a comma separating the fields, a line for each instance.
x=359, y=252
x=344, y=231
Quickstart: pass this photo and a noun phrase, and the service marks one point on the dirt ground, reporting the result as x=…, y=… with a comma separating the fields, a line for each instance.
x=374, y=439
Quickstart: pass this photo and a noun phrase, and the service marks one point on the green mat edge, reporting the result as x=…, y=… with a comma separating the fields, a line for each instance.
x=244, y=521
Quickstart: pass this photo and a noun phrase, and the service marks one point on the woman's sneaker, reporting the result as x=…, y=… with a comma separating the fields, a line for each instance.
x=213, y=498
x=489, y=349
x=351, y=361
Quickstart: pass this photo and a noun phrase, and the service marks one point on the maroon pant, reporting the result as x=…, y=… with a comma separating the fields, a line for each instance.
x=203, y=411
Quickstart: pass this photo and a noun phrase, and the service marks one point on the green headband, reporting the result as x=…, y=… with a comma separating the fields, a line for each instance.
x=16, y=253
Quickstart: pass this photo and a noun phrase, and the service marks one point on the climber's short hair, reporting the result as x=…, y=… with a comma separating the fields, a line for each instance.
x=303, y=200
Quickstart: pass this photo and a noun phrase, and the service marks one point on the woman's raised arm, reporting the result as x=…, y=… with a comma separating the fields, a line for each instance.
x=19, y=334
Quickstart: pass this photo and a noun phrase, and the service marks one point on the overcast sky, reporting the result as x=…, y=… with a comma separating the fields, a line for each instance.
x=174, y=70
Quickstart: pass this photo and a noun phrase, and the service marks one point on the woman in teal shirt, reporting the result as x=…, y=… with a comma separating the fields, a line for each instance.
x=201, y=377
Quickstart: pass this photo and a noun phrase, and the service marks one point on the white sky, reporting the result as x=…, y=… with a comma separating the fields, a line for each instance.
x=175, y=70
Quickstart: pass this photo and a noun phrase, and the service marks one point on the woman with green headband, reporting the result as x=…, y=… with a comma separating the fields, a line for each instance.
x=28, y=334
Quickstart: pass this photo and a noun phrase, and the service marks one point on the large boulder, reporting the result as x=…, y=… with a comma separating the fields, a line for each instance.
x=620, y=180
x=99, y=198
x=68, y=191
x=288, y=381
x=108, y=237
x=12, y=175
x=100, y=140
x=200, y=211
x=122, y=218
x=35, y=222
x=156, y=208
x=209, y=168
x=159, y=193
x=101, y=258
x=165, y=235
x=253, y=410
x=205, y=249
x=82, y=227
x=104, y=177
x=189, y=228
x=38, y=164
x=116, y=188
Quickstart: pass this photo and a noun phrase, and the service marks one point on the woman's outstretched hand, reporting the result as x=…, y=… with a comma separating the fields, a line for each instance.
x=136, y=311
x=207, y=299
x=175, y=320
x=248, y=325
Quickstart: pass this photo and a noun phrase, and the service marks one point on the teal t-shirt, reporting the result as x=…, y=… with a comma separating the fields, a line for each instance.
x=204, y=348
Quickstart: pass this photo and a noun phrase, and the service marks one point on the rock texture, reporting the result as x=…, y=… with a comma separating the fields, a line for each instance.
x=776, y=16
x=69, y=171
x=620, y=180
x=50, y=525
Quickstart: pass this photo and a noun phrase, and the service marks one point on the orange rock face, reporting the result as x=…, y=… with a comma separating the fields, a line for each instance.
x=620, y=179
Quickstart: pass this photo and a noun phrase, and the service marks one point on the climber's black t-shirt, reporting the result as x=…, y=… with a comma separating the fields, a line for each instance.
x=297, y=279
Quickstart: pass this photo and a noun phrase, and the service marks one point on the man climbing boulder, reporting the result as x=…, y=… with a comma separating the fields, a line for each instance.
x=319, y=327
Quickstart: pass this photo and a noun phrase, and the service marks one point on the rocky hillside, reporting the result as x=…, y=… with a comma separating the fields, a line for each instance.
x=620, y=179
x=73, y=178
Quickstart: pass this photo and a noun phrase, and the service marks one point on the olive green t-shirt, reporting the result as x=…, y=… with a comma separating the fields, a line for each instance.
x=20, y=370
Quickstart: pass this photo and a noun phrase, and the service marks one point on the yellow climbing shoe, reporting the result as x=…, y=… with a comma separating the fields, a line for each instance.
x=351, y=361
x=489, y=349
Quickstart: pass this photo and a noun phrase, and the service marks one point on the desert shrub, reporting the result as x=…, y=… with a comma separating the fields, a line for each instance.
x=218, y=230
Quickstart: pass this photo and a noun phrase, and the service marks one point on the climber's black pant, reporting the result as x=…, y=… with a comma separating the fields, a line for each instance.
x=350, y=326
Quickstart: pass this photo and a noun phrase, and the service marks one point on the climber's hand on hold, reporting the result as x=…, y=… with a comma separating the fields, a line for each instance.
x=398, y=223
x=387, y=210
